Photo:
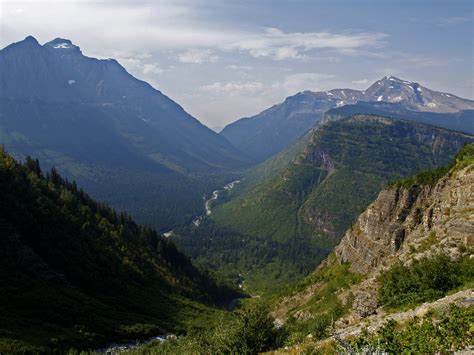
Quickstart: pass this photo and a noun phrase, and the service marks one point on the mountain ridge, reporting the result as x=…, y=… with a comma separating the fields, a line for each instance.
x=109, y=131
x=273, y=129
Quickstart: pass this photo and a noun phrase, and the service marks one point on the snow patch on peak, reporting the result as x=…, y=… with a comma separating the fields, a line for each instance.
x=62, y=45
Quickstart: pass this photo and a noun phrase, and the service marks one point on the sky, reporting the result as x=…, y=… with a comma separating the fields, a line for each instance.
x=223, y=60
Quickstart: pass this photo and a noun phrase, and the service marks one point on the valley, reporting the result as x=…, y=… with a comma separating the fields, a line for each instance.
x=336, y=216
x=305, y=208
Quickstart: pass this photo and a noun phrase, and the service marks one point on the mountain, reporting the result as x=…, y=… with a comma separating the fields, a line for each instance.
x=301, y=213
x=462, y=121
x=270, y=131
x=109, y=131
x=75, y=273
x=414, y=96
x=400, y=280
x=267, y=133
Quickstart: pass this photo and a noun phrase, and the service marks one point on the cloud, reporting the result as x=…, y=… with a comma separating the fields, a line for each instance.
x=294, y=83
x=280, y=45
x=272, y=92
x=451, y=21
x=239, y=67
x=233, y=88
x=163, y=25
x=360, y=82
x=198, y=56
x=151, y=69
x=138, y=63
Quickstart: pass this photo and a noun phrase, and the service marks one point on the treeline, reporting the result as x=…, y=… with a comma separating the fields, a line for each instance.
x=431, y=177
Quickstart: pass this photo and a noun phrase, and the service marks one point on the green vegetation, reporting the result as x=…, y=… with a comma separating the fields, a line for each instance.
x=316, y=296
x=433, y=334
x=424, y=280
x=465, y=157
x=248, y=331
x=462, y=159
x=76, y=273
x=258, y=262
x=428, y=242
x=304, y=208
x=425, y=178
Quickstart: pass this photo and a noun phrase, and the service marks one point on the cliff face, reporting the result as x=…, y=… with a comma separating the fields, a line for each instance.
x=403, y=220
x=417, y=217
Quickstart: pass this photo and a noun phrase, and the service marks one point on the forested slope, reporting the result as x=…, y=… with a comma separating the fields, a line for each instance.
x=298, y=215
x=75, y=273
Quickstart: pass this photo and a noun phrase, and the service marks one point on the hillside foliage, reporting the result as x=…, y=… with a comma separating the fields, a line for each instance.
x=424, y=280
x=317, y=196
x=77, y=273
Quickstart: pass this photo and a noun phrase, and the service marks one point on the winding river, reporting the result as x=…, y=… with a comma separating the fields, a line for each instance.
x=208, y=203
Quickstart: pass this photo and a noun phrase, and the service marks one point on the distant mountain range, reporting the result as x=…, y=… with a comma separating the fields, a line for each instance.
x=120, y=138
x=272, y=130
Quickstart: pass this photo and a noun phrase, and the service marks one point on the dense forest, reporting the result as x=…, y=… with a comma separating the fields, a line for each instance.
x=253, y=262
x=76, y=273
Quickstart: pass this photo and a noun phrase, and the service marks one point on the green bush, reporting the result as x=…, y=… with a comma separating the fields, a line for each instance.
x=449, y=332
x=424, y=280
x=250, y=331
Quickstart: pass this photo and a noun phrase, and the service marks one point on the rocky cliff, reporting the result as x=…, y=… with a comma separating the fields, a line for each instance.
x=412, y=219
x=408, y=219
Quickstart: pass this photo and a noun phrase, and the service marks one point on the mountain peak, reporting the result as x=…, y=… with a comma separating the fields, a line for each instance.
x=30, y=39
x=394, y=79
x=63, y=45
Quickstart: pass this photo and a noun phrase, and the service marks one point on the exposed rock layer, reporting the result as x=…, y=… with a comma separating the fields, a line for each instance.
x=402, y=216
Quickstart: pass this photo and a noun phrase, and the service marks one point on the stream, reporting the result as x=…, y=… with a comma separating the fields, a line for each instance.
x=207, y=205
x=214, y=197
x=117, y=348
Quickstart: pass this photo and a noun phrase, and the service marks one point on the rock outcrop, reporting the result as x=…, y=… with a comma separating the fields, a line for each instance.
x=403, y=220
x=414, y=218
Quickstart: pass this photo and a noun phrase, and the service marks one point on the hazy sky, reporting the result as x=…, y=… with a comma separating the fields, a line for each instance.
x=222, y=60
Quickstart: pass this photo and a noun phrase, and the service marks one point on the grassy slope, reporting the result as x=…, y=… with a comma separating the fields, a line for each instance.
x=75, y=273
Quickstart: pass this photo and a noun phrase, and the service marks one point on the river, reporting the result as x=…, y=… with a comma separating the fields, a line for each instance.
x=208, y=203
x=117, y=348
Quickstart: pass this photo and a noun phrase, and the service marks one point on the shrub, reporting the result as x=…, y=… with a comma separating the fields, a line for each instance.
x=450, y=332
x=423, y=280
